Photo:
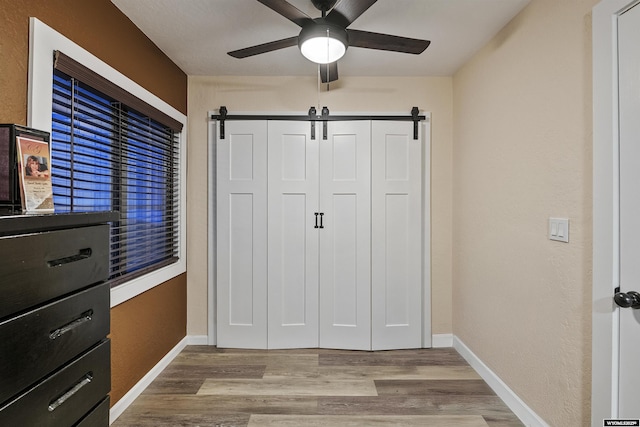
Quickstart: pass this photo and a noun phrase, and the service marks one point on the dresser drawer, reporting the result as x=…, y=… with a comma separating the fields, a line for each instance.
x=39, y=341
x=35, y=268
x=98, y=417
x=65, y=397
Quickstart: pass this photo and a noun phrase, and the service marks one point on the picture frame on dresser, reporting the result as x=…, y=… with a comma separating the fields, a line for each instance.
x=10, y=199
x=34, y=163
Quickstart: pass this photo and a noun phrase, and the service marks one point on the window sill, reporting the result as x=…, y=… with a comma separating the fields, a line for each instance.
x=134, y=287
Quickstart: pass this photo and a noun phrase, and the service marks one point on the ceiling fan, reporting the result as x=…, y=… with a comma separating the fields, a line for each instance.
x=324, y=40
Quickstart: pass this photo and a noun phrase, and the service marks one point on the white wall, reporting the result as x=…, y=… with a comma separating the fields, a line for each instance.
x=522, y=153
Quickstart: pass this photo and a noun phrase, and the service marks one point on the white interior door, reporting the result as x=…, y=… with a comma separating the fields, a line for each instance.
x=345, y=239
x=293, y=240
x=629, y=99
x=350, y=278
x=241, y=225
x=396, y=216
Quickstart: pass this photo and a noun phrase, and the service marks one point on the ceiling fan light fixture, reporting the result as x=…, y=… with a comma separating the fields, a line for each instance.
x=322, y=43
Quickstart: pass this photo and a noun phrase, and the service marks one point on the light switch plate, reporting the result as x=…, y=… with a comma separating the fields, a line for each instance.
x=559, y=229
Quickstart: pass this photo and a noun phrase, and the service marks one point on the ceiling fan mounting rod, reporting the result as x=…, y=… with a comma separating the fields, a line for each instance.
x=324, y=5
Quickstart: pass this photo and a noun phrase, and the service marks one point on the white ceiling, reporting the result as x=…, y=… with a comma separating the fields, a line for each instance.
x=197, y=34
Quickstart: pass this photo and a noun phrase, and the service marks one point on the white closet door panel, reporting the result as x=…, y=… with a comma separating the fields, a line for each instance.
x=240, y=250
x=345, y=303
x=345, y=264
x=396, y=217
x=397, y=230
x=292, y=240
x=241, y=174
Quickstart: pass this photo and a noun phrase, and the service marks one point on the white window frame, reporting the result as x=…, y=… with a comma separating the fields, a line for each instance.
x=43, y=41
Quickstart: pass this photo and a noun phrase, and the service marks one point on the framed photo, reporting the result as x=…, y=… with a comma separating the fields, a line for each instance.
x=34, y=166
x=10, y=201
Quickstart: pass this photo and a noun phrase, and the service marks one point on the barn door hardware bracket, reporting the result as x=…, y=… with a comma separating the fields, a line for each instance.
x=416, y=119
x=312, y=119
x=221, y=117
x=325, y=116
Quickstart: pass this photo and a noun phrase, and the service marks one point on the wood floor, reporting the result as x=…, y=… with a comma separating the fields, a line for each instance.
x=207, y=386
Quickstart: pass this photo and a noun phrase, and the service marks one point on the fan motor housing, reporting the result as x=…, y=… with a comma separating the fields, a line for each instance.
x=319, y=28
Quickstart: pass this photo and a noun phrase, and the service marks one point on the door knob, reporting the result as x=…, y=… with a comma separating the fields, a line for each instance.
x=627, y=299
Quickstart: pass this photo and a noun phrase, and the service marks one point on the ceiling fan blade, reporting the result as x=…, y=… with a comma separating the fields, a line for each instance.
x=379, y=41
x=289, y=11
x=264, y=48
x=347, y=11
x=329, y=72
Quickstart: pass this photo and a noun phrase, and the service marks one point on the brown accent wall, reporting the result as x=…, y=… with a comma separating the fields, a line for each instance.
x=144, y=328
x=99, y=27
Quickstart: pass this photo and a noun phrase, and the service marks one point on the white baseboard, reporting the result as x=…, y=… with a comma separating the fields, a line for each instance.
x=197, y=340
x=137, y=389
x=528, y=417
x=441, y=340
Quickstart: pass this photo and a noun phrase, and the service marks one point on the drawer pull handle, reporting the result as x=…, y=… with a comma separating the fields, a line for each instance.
x=84, y=318
x=82, y=254
x=86, y=379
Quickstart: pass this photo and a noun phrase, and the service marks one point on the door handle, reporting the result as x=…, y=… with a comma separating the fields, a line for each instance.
x=627, y=299
x=316, y=214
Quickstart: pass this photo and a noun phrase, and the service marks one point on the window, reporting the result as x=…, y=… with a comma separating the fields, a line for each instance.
x=43, y=42
x=108, y=156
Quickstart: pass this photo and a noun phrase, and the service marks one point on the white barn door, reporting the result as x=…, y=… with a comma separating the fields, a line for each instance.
x=350, y=277
x=293, y=240
x=345, y=239
x=242, y=235
x=397, y=233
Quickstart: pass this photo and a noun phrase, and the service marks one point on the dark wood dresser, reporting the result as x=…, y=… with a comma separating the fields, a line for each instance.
x=54, y=320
